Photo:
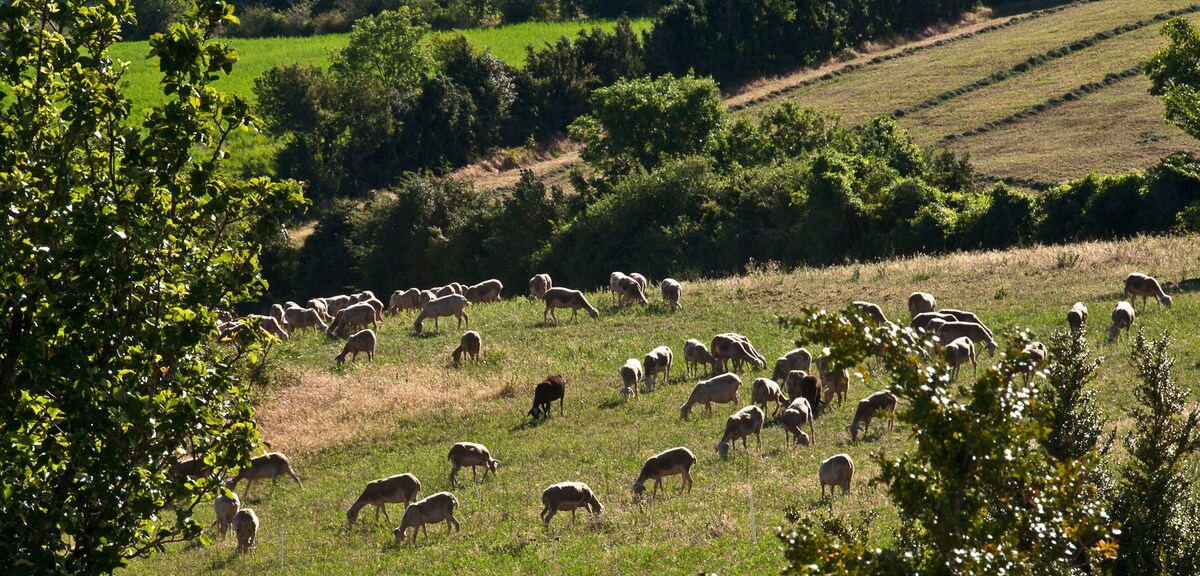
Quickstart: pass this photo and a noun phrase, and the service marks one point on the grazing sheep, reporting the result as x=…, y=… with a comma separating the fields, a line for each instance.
x=614, y=285
x=741, y=424
x=736, y=348
x=720, y=389
x=797, y=414
x=873, y=311
x=934, y=325
x=300, y=318
x=1077, y=316
x=402, y=300
x=432, y=510
x=193, y=467
x=442, y=291
x=353, y=316
x=964, y=316
x=921, y=321
x=547, y=391
x=671, y=291
x=666, y=463
x=277, y=314
x=868, y=407
x=362, y=341
x=470, y=343
x=766, y=390
x=363, y=296
x=379, y=493
x=486, y=291
x=568, y=496
x=245, y=527
x=796, y=386
x=696, y=353
x=558, y=297
x=920, y=303
x=319, y=305
x=658, y=361
x=834, y=381
x=377, y=305
x=538, y=285
x=1138, y=284
x=1033, y=357
x=958, y=352
x=631, y=291
x=951, y=331
x=471, y=454
x=800, y=358
x=427, y=296
x=641, y=280
x=450, y=305
x=226, y=507
x=1123, y=316
x=460, y=289
x=269, y=325
x=335, y=304
x=782, y=367
x=269, y=466
x=631, y=374
x=838, y=470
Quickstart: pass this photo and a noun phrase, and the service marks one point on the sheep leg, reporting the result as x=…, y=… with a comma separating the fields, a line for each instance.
x=475, y=475
x=758, y=438
x=249, y=483
x=687, y=480
x=573, y=516
x=293, y=475
x=544, y=312
x=453, y=472
x=560, y=406
x=435, y=327
x=547, y=514
x=371, y=356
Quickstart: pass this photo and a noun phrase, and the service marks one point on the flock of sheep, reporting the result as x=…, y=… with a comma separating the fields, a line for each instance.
x=799, y=394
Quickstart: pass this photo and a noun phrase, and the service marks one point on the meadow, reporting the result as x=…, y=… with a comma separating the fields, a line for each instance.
x=343, y=427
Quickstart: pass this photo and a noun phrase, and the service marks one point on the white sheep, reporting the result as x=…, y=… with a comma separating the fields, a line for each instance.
x=614, y=285
x=486, y=291
x=872, y=311
x=1138, y=284
x=837, y=470
x=335, y=304
x=538, y=285
x=978, y=333
x=378, y=493
x=470, y=343
x=922, y=321
x=696, y=353
x=765, y=390
x=741, y=425
x=631, y=374
x=958, y=352
x=793, y=419
x=322, y=308
x=965, y=316
x=567, y=497
x=357, y=315
x=559, y=297
x=1033, y=356
x=301, y=318
x=269, y=466
x=671, y=292
x=226, y=507
x=363, y=296
x=666, y=463
x=402, y=300
x=449, y=305
x=641, y=280
x=736, y=348
x=631, y=291
x=277, y=314
x=362, y=341
x=245, y=527
x=1123, y=316
x=1077, y=316
x=867, y=408
x=721, y=389
x=433, y=509
x=471, y=454
x=658, y=361
x=921, y=302
x=800, y=358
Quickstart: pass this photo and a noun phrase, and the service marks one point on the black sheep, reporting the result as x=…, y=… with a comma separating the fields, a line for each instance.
x=549, y=390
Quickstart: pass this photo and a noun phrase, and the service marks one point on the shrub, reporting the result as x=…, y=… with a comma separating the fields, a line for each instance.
x=1005, y=219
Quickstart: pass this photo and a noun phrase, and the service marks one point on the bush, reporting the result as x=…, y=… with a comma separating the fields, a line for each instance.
x=1005, y=219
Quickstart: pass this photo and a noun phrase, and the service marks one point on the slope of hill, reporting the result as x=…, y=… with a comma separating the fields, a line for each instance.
x=344, y=427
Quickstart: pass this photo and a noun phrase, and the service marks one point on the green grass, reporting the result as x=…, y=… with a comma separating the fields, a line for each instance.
x=344, y=427
x=508, y=42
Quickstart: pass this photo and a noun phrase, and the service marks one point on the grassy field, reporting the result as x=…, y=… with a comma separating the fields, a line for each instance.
x=344, y=427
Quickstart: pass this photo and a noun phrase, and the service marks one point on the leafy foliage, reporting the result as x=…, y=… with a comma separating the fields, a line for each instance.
x=1174, y=73
x=1077, y=426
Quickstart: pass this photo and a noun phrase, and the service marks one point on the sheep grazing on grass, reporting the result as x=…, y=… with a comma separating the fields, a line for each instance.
x=964, y=316
x=736, y=349
x=1077, y=316
x=226, y=507
x=193, y=467
x=766, y=390
x=658, y=361
x=471, y=454
x=800, y=359
x=802, y=384
x=741, y=425
x=377, y=305
x=867, y=409
x=631, y=374
x=269, y=466
x=793, y=419
x=958, y=352
x=353, y=316
x=1032, y=357
x=277, y=314
x=363, y=296
x=641, y=280
x=837, y=470
x=469, y=344
x=921, y=321
x=696, y=353
x=335, y=304
x=568, y=497
x=978, y=334
x=379, y=493
x=1123, y=316
x=245, y=527
x=1138, y=284
x=671, y=292
x=363, y=341
x=558, y=297
x=920, y=302
x=426, y=297
x=432, y=510
x=538, y=285
x=666, y=463
x=486, y=291
x=631, y=291
x=300, y=318
x=268, y=325
x=872, y=311
x=614, y=285
x=402, y=300
x=322, y=309
x=442, y=291
x=721, y=389
x=834, y=381
x=547, y=391
x=451, y=305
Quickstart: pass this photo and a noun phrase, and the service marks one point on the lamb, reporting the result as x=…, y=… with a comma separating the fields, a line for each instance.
x=486, y=291
x=666, y=463
x=797, y=414
x=696, y=353
x=459, y=289
x=470, y=343
x=269, y=466
x=741, y=424
x=1122, y=317
x=1033, y=357
x=920, y=302
x=735, y=347
x=951, y=331
x=631, y=374
x=353, y=316
x=658, y=361
x=245, y=527
x=470, y=454
x=538, y=285
x=671, y=291
x=782, y=367
x=720, y=389
x=451, y=305
x=934, y=325
x=379, y=493
x=300, y=318
x=921, y=321
x=226, y=507
x=547, y=391
x=766, y=390
x=362, y=341
x=558, y=297
x=802, y=384
x=958, y=352
x=631, y=291
x=1077, y=316
x=868, y=407
x=837, y=470
x=1138, y=284
x=432, y=510
x=568, y=496
x=873, y=311
x=402, y=300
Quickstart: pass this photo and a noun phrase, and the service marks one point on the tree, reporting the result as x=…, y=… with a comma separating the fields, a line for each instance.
x=1174, y=73
x=121, y=242
x=389, y=46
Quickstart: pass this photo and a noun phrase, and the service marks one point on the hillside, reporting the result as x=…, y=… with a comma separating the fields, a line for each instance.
x=344, y=427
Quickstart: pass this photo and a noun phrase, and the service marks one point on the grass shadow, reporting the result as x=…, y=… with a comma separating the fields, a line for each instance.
x=528, y=424
x=611, y=403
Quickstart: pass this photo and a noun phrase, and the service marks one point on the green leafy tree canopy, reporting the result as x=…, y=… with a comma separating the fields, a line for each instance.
x=1174, y=73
